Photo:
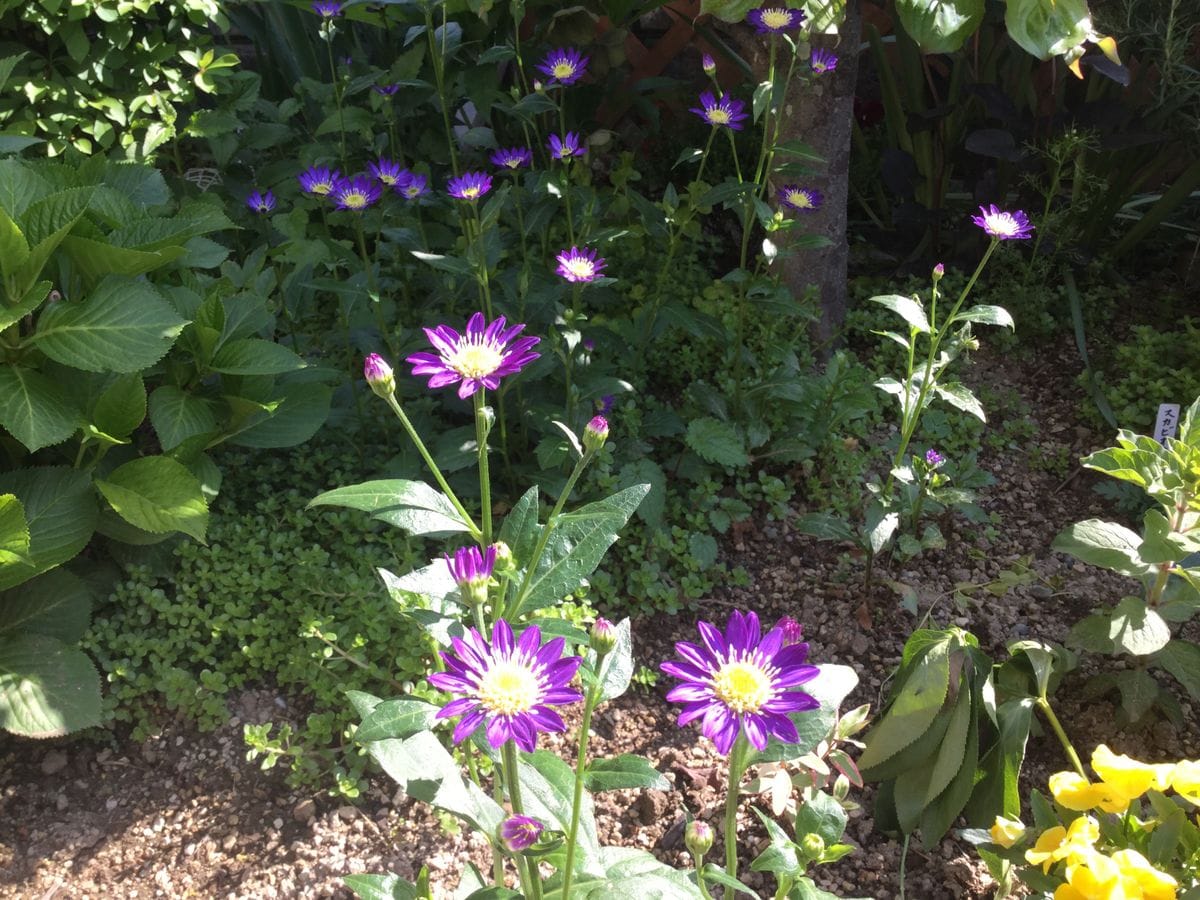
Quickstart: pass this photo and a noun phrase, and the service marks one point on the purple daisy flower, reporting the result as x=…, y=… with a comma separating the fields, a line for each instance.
x=933, y=459
x=742, y=682
x=725, y=112
x=519, y=833
x=355, y=194
x=512, y=158
x=822, y=61
x=564, y=65
x=389, y=172
x=479, y=358
x=327, y=9
x=413, y=186
x=605, y=405
x=319, y=180
x=470, y=186
x=775, y=19
x=799, y=198
x=579, y=266
x=565, y=147
x=386, y=90
x=261, y=202
x=471, y=570
x=1004, y=226
x=508, y=685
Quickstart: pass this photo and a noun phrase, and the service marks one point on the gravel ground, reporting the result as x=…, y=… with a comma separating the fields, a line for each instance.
x=184, y=815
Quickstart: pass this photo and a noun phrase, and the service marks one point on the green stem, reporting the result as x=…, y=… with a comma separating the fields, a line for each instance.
x=1044, y=706
x=485, y=481
x=585, y=727
x=337, y=93
x=698, y=862
x=704, y=156
x=472, y=528
x=485, y=287
x=737, y=764
x=439, y=75
x=372, y=284
x=530, y=878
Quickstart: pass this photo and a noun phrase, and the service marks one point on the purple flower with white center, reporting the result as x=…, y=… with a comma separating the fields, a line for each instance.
x=387, y=90
x=822, y=61
x=508, y=685
x=318, y=180
x=512, y=158
x=580, y=266
x=933, y=459
x=775, y=19
x=1004, y=226
x=708, y=64
x=564, y=65
x=793, y=631
x=723, y=113
x=327, y=9
x=742, y=682
x=604, y=407
x=478, y=358
x=565, y=147
x=519, y=833
x=355, y=194
x=471, y=570
x=261, y=202
x=801, y=199
x=413, y=186
x=470, y=186
x=386, y=171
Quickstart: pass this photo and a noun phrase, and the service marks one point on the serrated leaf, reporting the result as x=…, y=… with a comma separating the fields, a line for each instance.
x=716, y=442
x=57, y=604
x=703, y=549
x=14, y=249
x=60, y=509
x=33, y=298
x=123, y=326
x=47, y=689
x=987, y=315
x=412, y=505
x=121, y=407
x=297, y=414
x=380, y=887
x=626, y=771
x=907, y=308
x=37, y=411
x=177, y=416
x=157, y=494
x=252, y=356
x=401, y=717
x=14, y=535
x=916, y=705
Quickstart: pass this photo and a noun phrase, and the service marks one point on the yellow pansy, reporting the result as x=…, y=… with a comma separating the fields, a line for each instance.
x=1151, y=883
x=1186, y=780
x=1007, y=832
x=1073, y=844
x=1072, y=790
x=1095, y=878
x=1127, y=777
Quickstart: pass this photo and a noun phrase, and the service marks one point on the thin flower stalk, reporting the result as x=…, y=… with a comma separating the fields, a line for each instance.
x=485, y=481
x=531, y=879
x=438, y=59
x=737, y=766
x=591, y=698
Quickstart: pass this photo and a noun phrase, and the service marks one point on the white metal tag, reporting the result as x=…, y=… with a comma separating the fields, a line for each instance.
x=1168, y=422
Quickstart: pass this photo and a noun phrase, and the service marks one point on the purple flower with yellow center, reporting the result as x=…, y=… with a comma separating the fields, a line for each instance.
x=471, y=570
x=565, y=147
x=822, y=61
x=741, y=682
x=519, y=833
x=801, y=199
x=933, y=459
x=413, y=186
x=261, y=202
x=355, y=194
x=386, y=90
x=723, y=113
x=508, y=685
x=327, y=9
x=318, y=180
x=470, y=186
x=512, y=158
x=775, y=19
x=386, y=171
x=1004, y=226
x=564, y=65
x=580, y=266
x=604, y=407
x=478, y=358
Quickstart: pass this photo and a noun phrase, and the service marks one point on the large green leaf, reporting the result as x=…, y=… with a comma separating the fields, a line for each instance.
x=1046, y=28
x=381, y=887
x=124, y=326
x=1138, y=629
x=33, y=298
x=301, y=411
x=411, y=505
x=47, y=222
x=47, y=689
x=960, y=397
x=907, y=308
x=821, y=815
x=401, y=717
x=716, y=442
x=626, y=874
x=520, y=529
x=624, y=771
x=1104, y=544
x=940, y=26
x=998, y=792
x=157, y=494
x=95, y=258
x=121, y=407
x=37, y=411
x=616, y=669
x=1182, y=659
x=14, y=249
x=60, y=507
x=252, y=356
x=548, y=791
x=919, y=700
x=14, y=533
x=178, y=415
x=830, y=688
x=57, y=604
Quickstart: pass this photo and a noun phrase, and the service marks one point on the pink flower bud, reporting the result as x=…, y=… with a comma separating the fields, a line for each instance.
x=379, y=375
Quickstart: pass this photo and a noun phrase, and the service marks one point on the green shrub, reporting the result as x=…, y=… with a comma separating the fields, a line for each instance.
x=1153, y=366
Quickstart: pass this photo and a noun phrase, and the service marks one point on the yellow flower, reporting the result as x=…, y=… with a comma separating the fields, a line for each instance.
x=1072, y=790
x=1128, y=778
x=1153, y=884
x=1074, y=844
x=1095, y=878
x=1186, y=780
x=1007, y=832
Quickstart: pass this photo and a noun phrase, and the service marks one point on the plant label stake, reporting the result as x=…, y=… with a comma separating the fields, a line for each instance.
x=1168, y=422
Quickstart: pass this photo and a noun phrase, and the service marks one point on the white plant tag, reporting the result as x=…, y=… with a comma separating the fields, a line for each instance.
x=1168, y=422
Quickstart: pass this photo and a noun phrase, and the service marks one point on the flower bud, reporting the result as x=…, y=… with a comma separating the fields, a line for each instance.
x=1007, y=832
x=708, y=64
x=379, y=375
x=595, y=434
x=472, y=572
x=813, y=845
x=603, y=636
x=538, y=87
x=938, y=271
x=793, y=631
x=518, y=833
x=506, y=563
x=933, y=459
x=698, y=837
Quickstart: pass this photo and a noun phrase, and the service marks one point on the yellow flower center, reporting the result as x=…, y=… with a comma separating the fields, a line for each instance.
x=412, y=191
x=508, y=688
x=1002, y=224
x=742, y=686
x=388, y=179
x=800, y=199
x=470, y=193
x=512, y=162
x=718, y=115
x=563, y=69
x=580, y=268
x=777, y=18
x=354, y=200
x=322, y=187
x=475, y=360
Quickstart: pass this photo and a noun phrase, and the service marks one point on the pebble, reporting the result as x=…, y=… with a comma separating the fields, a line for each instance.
x=53, y=762
x=304, y=811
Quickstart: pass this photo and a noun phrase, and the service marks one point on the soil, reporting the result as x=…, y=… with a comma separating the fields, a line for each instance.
x=184, y=815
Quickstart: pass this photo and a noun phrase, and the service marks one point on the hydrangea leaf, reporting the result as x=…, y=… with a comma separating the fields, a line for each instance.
x=157, y=494
x=47, y=689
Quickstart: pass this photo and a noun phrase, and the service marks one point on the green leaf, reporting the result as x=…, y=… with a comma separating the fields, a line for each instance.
x=548, y=791
x=37, y=411
x=1138, y=691
x=33, y=298
x=1137, y=629
x=97, y=258
x=940, y=815
x=940, y=26
x=451, y=264
x=907, y=308
x=1045, y=29
x=626, y=874
x=398, y=718
x=825, y=526
x=14, y=533
x=251, y=356
x=960, y=397
x=987, y=315
x=47, y=222
x=821, y=815
x=14, y=249
x=830, y=688
x=918, y=702
x=624, y=771
x=60, y=509
x=998, y=792
x=411, y=505
x=717, y=442
x=299, y=414
x=1104, y=544
x=520, y=529
x=124, y=326
x=57, y=604
x=646, y=471
x=381, y=887
x=8, y=63
x=703, y=549
x=1182, y=660
x=47, y=689
x=781, y=856
x=121, y=407
x=616, y=669
x=880, y=525
x=177, y=415
x=157, y=494
x=714, y=874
